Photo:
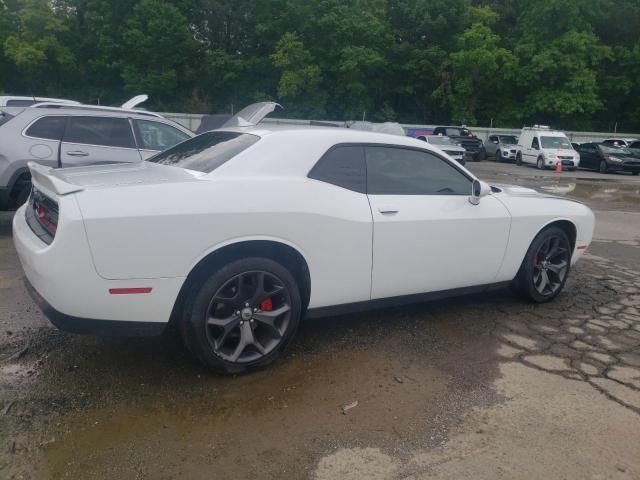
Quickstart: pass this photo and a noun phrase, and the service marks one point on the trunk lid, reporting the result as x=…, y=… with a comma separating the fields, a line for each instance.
x=74, y=179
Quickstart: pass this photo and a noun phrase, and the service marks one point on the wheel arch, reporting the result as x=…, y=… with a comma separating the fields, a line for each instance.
x=285, y=254
x=565, y=224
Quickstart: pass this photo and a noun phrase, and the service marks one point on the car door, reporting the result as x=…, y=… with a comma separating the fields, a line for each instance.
x=427, y=235
x=532, y=151
x=491, y=147
x=94, y=140
x=153, y=137
x=588, y=156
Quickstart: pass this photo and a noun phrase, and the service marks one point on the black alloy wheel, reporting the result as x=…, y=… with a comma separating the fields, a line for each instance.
x=546, y=266
x=243, y=316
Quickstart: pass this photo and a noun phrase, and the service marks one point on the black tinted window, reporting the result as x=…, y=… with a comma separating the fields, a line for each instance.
x=207, y=151
x=398, y=171
x=20, y=103
x=107, y=131
x=343, y=166
x=47, y=127
x=158, y=136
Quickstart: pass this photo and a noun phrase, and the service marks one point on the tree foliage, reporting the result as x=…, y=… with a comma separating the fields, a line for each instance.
x=570, y=63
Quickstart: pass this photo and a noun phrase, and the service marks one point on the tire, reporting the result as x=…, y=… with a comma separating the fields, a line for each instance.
x=519, y=159
x=602, y=168
x=482, y=155
x=23, y=195
x=232, y=326
x=531, y=280
x=540, y=163
x=635, y=173
x=498, y=156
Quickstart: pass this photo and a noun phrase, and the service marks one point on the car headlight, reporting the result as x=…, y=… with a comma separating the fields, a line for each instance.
x=505, y=152
x=614, y=159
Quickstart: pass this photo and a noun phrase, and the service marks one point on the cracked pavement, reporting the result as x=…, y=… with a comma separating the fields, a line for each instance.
x=479, y=387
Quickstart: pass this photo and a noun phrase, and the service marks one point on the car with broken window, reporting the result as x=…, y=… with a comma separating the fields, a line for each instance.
x=67, y=135
x=235, y=235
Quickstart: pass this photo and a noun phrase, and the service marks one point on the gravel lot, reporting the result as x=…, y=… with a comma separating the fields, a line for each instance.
x=480, y=387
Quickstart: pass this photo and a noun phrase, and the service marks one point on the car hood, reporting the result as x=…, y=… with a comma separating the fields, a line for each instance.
x=122, y=174
x=560, y=151
x=520, y=192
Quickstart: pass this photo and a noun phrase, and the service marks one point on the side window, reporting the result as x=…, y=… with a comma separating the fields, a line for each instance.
x=158, y=136
x=535, y=143
x=608, y=142
x=401, y=171
x=344, y=166
x=635, y=145
x=493, y=138
x=105, y=131
x=47, y=127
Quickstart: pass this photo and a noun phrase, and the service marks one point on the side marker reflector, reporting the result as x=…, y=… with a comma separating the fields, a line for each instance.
x=581, y=247
x=127, y=291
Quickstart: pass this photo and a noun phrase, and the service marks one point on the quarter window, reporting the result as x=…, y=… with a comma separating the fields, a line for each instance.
x=105, y=131
x=158, y=136
x=47, y=127
x=401, y=171
x=343, y=166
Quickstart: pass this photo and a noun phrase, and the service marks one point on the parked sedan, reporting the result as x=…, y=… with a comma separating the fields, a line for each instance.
x=237, y=234
x=597, y=156
x=447, y=145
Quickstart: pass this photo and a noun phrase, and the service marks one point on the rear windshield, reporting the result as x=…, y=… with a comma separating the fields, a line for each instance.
x=206, y=152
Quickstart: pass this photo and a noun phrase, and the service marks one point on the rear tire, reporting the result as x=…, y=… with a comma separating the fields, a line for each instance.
x=545, y=267
x=242, y=316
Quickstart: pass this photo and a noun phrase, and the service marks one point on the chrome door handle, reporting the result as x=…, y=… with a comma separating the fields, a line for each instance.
x=387, y=211
x=77, y=153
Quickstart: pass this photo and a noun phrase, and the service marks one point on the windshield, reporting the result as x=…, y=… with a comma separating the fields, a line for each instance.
x=556, y=142
x=436, y=140
x=508, y=140
x=615, y=150
x=206, y=152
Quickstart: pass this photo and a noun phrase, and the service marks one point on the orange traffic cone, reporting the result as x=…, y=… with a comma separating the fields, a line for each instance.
x=559, y=167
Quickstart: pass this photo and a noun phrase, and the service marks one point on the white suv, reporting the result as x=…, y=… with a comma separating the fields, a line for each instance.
x=543, y=147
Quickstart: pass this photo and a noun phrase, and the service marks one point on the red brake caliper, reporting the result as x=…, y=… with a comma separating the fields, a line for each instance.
x=266, y=305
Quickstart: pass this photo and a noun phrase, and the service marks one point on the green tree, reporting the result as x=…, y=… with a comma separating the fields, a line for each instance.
x=478, y=72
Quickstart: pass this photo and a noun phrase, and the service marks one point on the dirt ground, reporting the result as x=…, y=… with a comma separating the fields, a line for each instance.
x=479, y=387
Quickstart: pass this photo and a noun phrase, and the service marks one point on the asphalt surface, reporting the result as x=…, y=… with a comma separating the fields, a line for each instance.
x=479, y=387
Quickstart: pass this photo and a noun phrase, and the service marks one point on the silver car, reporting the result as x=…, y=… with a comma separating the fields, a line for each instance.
x=502, y=147
x=447, y=145
x=57, y=135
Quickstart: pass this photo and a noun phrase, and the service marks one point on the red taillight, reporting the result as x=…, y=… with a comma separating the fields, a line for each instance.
x=128, y=291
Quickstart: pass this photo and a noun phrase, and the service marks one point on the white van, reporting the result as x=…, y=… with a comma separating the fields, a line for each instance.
x=543, y=147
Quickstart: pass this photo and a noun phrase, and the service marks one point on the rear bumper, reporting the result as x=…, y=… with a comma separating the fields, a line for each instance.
x=92, y=326
x=70, y=291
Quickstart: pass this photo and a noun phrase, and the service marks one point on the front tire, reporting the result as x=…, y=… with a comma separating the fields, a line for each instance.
x=545, y=267
x=602, y=168
x=243, y=315
x=499, y=156
x=540, y=163
x=519, y=159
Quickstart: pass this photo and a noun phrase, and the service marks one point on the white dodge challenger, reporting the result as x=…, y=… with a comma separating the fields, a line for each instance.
x=238, y=233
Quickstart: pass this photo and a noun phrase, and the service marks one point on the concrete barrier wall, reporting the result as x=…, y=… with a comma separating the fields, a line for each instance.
x=192, y=122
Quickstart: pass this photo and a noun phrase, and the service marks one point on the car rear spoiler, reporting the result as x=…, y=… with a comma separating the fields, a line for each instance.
x=45, y=178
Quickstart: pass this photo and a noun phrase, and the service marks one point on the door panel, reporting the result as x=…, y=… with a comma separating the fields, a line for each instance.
x=95, y=140
x=434, y=243
x=427, y=236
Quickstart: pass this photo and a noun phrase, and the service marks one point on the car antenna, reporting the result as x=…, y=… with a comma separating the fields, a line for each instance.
x=64, y=131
